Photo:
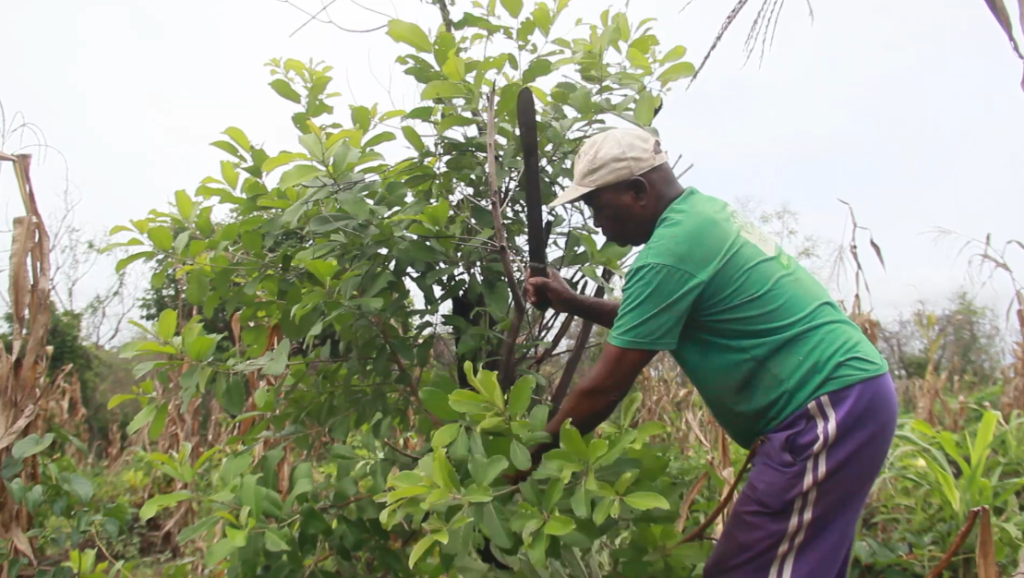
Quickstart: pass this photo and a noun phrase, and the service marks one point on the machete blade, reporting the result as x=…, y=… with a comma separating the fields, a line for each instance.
x=531, y=185
x=531, y=181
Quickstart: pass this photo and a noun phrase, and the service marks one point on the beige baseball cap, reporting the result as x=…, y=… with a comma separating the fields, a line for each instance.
x=611, y=157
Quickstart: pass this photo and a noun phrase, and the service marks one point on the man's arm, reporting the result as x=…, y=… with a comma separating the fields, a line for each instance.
x=598, y=394
x=600, y=311
x=564, y=300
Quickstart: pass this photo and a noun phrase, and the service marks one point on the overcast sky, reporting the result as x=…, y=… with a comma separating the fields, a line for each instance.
x=911, y=110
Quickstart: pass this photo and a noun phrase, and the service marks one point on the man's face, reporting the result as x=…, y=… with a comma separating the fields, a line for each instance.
x=620, y=212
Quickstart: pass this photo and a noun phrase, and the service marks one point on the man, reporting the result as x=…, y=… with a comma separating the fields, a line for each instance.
x=772, y=355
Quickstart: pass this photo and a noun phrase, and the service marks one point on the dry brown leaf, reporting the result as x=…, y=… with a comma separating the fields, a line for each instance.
x=13, y=432
x=21, y=542
x=21, y=245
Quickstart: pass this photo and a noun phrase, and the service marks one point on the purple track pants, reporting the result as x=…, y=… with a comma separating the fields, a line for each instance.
x=797, y=514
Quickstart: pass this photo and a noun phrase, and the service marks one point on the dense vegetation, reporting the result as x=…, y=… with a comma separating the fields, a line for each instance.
x=336, y=372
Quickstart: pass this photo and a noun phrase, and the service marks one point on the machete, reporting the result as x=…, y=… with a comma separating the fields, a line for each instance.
x=537, y=233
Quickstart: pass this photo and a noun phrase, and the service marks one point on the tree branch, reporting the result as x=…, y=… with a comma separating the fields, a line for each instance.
x=507, y=370
x=573, y=362
x=559, y=336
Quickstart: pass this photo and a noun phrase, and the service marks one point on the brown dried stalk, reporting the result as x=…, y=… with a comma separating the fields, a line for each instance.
x=684, y=508
x=22, y=387
x=698, y=532
x=961, y=537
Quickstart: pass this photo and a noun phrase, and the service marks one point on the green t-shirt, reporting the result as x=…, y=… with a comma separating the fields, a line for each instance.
x=755, y=333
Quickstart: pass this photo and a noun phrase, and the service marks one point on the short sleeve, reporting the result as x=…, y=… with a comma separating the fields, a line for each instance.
x=655, y=304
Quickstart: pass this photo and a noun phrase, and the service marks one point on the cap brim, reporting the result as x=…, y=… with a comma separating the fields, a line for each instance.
x=573, y=193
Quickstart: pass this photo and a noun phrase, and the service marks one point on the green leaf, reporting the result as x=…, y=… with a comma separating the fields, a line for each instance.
x=274, y=542
x=542, y=17
x=478, y=493
x=676, y=53
x=142, y=418
x=436, y=402
x=983, y=439
x=454, y=68
x=554, y=493
x=442, y=89
x=625, y=480
x=123, y=263
x=521, y=456
x=421, y=547
x=487, y=384
x=237, y=135
x=559, y=525
x=493, y=528
x=167, y=326
x=156, y=427
x=488, y=471
x=411, y=34
x=238, y=537
x=580, y=502
x=162, y=237
x=469, y=402
x=31, y=445
x=444, y=474
x=119, y=399
x=646, y=501
x=407, y=493
x=281, y=160
x=219, y=551
x=445, y=436
x=157, y=503
x=519, y=397
x=185, y=204
x=199, y=528
x=651, y=428
x=299, y=174
x=677, y=71
x=571, y=440
x=645, y=105
x=513, y=7
x=630, y=406
x=378, y=139
x=285, y=90
x=81, y=487
x=413, y=138
x=201, y=347
x=638, y=59
x=437, y=215
x=322, y=270
x=604, y=507
x=598, y=448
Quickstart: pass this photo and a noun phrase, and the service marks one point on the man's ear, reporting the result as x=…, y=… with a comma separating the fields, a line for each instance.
x=639, y=188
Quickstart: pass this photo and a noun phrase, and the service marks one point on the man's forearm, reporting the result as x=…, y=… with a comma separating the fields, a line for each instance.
x=588, y=406
x=600, y=311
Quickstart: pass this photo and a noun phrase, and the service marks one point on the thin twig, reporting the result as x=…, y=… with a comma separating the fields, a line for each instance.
x=403, y=452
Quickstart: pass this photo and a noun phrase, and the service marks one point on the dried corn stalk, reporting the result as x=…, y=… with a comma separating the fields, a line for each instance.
x=23, y=368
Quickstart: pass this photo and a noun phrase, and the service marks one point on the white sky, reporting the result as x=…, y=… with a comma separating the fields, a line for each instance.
x=910, y=110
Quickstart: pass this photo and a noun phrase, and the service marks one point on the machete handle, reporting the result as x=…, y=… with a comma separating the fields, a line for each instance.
x=540, y=270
